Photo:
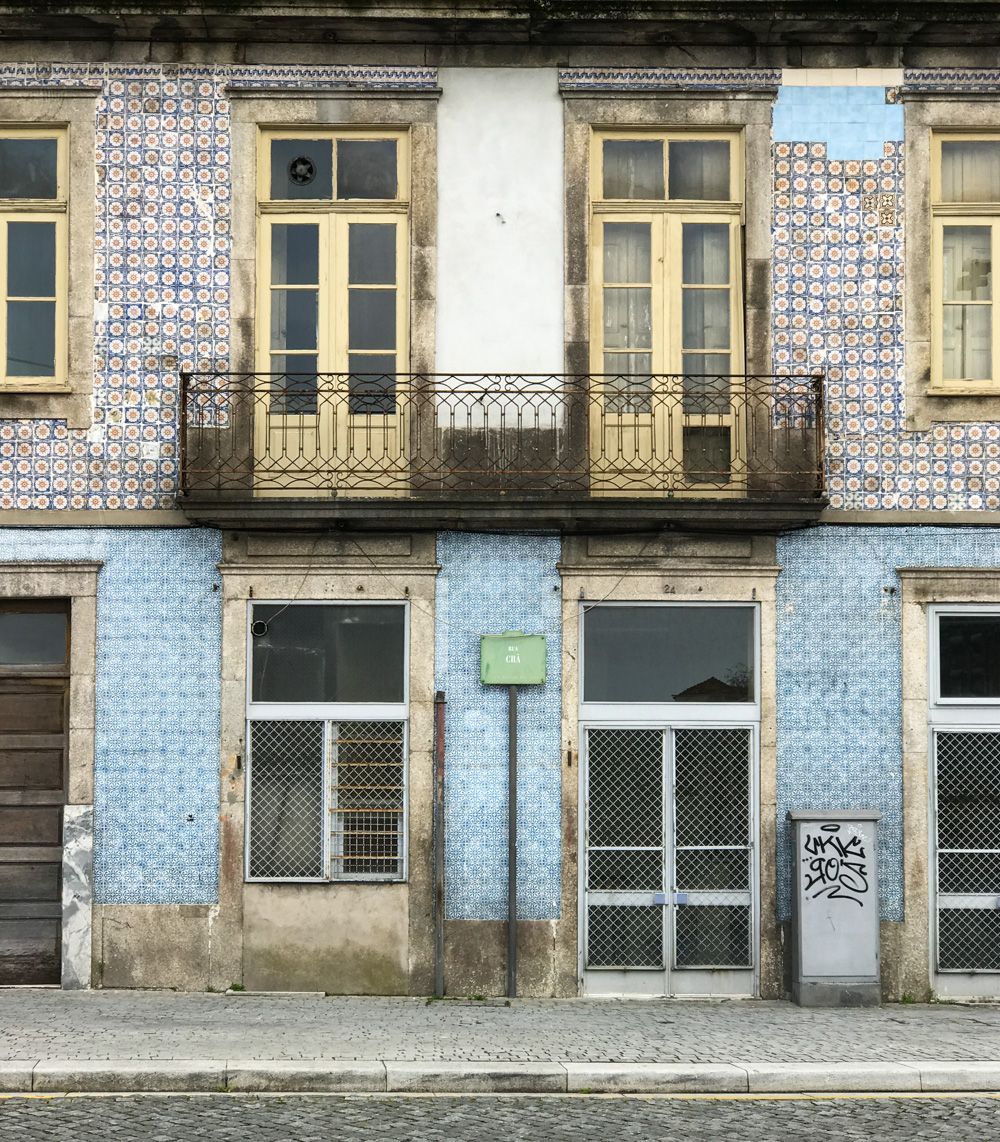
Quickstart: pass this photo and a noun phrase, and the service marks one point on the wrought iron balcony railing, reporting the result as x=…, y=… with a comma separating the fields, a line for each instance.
x=431, y=436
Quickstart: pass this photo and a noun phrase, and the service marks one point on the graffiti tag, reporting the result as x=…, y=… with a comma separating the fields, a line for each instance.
x=837, y=867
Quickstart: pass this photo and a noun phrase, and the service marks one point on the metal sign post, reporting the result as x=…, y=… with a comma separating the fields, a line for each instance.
x=512, y=659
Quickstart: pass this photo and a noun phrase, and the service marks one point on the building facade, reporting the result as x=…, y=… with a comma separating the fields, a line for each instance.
x=332, y=342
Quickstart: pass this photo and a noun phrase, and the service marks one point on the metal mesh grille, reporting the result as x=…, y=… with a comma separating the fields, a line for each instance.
x=367, y=800
x=712, y=817
x=624, y=936
x=713, y=935
x=968, y=850
x=286, y=800
x=968, y=939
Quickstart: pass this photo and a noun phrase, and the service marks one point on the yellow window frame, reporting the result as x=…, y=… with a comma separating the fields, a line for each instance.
x=979, y=214
x=54, y=210
x=666, y=217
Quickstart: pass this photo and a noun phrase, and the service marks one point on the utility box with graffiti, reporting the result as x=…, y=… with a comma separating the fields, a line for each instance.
x=836, y=912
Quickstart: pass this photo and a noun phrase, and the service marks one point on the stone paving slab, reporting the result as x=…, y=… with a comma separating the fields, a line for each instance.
x=52, y=1024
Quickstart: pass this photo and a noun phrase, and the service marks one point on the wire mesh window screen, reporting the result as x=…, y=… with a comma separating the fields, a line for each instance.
x=367, y=800
x=285, y=825
x=712, y=823
x=624, y=936
x=968, y=850
x=625, y=808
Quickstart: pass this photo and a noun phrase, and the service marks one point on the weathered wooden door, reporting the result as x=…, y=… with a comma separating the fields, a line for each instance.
x=34, y=701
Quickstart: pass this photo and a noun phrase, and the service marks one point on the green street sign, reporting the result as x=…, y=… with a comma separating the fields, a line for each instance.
x=512, y=659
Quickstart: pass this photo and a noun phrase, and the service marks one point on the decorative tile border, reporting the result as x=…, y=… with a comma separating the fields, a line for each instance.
x=582, y=79
x=963, y=80
x=335, y=78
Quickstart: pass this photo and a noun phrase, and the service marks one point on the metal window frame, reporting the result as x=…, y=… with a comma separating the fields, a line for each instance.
x=653, y=710
x=960, y=710
x=329, y=713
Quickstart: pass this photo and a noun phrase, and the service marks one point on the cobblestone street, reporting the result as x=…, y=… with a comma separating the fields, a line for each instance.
x=283, y=1119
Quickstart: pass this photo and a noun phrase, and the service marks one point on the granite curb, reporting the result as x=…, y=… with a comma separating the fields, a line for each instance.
x=327, y=1076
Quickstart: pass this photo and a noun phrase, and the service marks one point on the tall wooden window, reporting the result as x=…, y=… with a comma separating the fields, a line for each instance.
x=33, y=258
x=965, y=210
x=332, y=268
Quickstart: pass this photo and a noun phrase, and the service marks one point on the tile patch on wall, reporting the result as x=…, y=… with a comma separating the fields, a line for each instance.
x=489, y=584
x=837, y=283
x=839, y=685
x=156, y=760
x=162, y=250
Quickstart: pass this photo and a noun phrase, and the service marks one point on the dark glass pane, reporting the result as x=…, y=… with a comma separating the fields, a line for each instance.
x=294, y=384
x=366, y=168
x=28, y=168
x=293, y=318
x=668, y=654
x=700, y=170
x=328, y=653
x=301, y=168
x=32, y=638
x=31, y=259
x=707, y=455
x=372, y=383
x=31, y=338
x=633, y=168
x=295, y=255
x=371, y=256
x=970, y=656
x=371, y=319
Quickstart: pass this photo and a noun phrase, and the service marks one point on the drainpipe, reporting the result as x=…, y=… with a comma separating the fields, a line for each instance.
x=438, y=844
x=511, y=841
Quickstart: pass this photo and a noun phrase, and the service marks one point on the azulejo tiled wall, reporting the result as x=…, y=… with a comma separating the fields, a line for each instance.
x=839, y=682
x=489, y=584
x=162, y=271
x=156, y=763
x=838, y=307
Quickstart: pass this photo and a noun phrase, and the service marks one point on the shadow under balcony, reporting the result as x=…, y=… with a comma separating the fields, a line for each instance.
x=500, y=451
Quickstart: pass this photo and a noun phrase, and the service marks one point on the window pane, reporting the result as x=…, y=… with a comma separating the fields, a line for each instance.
x=371, y=318
x=967, y=352
x=705, y=254
x=968, y=263
x=627, y=252
x=372, y=383
x=706, y=319
x=970, y=171
x=31, y=339
x=371, y=258
x=970, y=656
x=668, y=654
x=294, y=384
x=28, y=168
x=294, y=255
x=293, y=318
x=35, y=638
x=707, y=386
x=707, y=455
x=699, y=170
x=31, y=259
x=286, y=800
x=633, y=168
x=628, y=322
x=328, y=653
x=301, y=168
x=628, y=382
x=366, y=168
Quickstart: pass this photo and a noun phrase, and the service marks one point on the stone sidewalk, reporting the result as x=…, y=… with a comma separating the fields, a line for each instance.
x=113, y=1041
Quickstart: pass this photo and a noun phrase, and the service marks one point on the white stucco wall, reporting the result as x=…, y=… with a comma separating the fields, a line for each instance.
x=500, y=221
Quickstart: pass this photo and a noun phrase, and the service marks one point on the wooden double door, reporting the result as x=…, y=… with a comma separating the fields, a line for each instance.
x=34, y=725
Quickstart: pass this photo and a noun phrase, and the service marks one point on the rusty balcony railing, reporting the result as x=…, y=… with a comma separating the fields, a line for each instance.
x=432, y=436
